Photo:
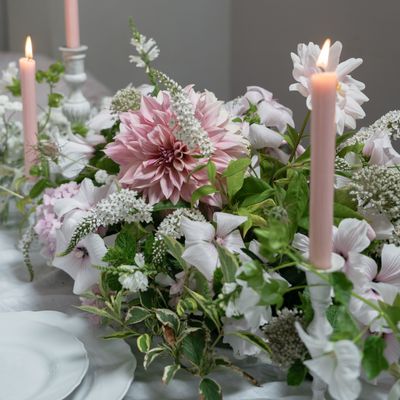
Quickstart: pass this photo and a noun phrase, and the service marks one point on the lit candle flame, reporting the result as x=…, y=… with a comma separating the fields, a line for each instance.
x=323, y=58
x=28, y=48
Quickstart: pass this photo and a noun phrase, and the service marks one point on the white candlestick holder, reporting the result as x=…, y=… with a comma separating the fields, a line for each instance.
x=76, y=107
x=320, y=328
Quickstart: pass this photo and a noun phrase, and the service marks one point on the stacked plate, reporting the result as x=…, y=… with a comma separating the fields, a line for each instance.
x=48, y=355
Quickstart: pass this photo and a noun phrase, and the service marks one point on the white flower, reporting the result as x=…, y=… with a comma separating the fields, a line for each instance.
x=134, y=280
x=201, y=237
x=349, y=91
x=101, y=176
x=146, y=48
x=229, y=288
x=338, y=364
x=7, y=105
x=87, y=197
x=352, y=235
x=380, y=150
x=7, y=76
x=373, y=285
x=272, y=114
x=79, y=263
x=75, y=152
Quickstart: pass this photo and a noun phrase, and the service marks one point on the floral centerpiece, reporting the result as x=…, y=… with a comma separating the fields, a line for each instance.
x=183, y=221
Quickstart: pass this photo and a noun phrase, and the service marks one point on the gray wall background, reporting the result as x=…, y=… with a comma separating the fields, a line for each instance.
x=223, y=45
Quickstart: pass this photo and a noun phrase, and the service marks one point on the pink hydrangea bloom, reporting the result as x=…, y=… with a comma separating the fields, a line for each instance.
x=47, y=220
x=153, y=161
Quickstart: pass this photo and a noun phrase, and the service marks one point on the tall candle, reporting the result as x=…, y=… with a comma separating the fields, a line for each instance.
x=72, y=23
x=323, y=138
x=27, y=66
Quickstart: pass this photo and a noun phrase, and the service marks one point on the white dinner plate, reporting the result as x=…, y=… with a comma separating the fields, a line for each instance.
x=111, y=363
x=38, y=361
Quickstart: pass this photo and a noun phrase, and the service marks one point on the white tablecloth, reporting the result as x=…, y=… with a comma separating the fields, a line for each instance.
x=52, y=290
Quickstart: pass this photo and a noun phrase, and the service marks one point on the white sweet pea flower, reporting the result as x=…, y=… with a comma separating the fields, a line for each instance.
x=352, y=235
x=75, y=152
x=79, y=263
x=349, y=91
x=380, y=150
x=87, y=197
x=201, y=237
x=338, y=364
x=373, y=285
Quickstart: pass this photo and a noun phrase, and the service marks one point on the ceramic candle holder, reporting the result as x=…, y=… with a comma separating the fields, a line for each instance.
x=76, y=107
x=320, y=294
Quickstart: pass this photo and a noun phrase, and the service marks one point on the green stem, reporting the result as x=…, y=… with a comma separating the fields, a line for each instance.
x=11, y=192
x=301, y=133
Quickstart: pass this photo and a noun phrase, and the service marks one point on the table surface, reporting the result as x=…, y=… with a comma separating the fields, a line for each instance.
x=52, y=290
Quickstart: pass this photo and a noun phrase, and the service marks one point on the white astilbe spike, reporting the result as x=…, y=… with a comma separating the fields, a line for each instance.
x=122, y=206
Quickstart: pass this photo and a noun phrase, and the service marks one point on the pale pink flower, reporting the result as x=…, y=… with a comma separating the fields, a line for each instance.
x=380, y=150
x=202, y=237
x=374, y=285
x=352, y=235
x=47, y=220
x=155, y=163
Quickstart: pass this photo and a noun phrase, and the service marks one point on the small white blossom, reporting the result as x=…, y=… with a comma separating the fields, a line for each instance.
x=7, y=76
x=133, y=279
x=101, y=176
x=229, y=288
x=147, y=50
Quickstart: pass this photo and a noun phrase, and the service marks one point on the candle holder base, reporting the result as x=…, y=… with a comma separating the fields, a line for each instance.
x=320, y=295
x=76, y=107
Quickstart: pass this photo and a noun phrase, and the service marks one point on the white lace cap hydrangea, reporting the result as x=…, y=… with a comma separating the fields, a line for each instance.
x=338, y=364
x=349, y=91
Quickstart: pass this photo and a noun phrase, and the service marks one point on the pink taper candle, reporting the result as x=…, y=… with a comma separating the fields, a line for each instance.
x=27, y=66
x=323, y=138
x=72, y=23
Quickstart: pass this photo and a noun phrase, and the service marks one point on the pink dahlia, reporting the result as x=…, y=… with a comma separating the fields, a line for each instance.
x=47, y=220
x=153, y=161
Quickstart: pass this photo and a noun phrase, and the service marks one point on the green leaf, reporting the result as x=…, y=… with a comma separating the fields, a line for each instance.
x=168, y=318
x=136, y=314
x=341, y=211
x=234, y=175
x=343, y=197
x=168, y=205
x=208, y=307
x=211, y=172
x=254, y=339
x=120, y=335
x=374, y=361
x=176, y=250
x=144, y=343
x=193, y=346
x=54, y=100
x=39, y=187
x=203, y=191
x=292, y=137
x=274, y=238
x=210, y=390
x=15, y=87
x=151, y=355
x=229, y=264
x=342, y=287
x=296, y=374
x=169, y=373
x=126, y=241
x=252, y=186
x=344, y=327
x=99, y=312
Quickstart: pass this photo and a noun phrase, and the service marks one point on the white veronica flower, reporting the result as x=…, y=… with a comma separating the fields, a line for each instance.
x=338, y=364
x=80, y=262
x=349, y=91
x=201, y=237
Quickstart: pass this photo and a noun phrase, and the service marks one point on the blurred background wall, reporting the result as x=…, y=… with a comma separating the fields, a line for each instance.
x=223, y=45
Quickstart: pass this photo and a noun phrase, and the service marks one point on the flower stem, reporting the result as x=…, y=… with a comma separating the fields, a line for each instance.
x=11, y=192
x=301, y=134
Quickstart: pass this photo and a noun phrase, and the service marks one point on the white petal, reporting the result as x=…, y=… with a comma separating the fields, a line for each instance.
x=226, y=223
x=96, y=248
x=315, y=346
x=195, y=231
x=260, y=137
x=203, y=256
x=390, y=271
x=301, y=242
x=85, y=279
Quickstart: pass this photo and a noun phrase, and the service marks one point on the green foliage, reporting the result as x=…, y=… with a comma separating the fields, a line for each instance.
x=344, y=327
x=342, y=287
x=255, y=340
x=229, y=264
x=275, y=238
x=234, y=175
x=15, y=87
x=143, y=343
x=374, y=361
x=210, y=390
x=170, y=372
x=168, y=318
x=203, y=191
x=296, y=374
x=39, y=187
x=136, y=314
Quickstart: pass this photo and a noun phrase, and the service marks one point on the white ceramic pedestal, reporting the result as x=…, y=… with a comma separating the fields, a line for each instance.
x=76, y=107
